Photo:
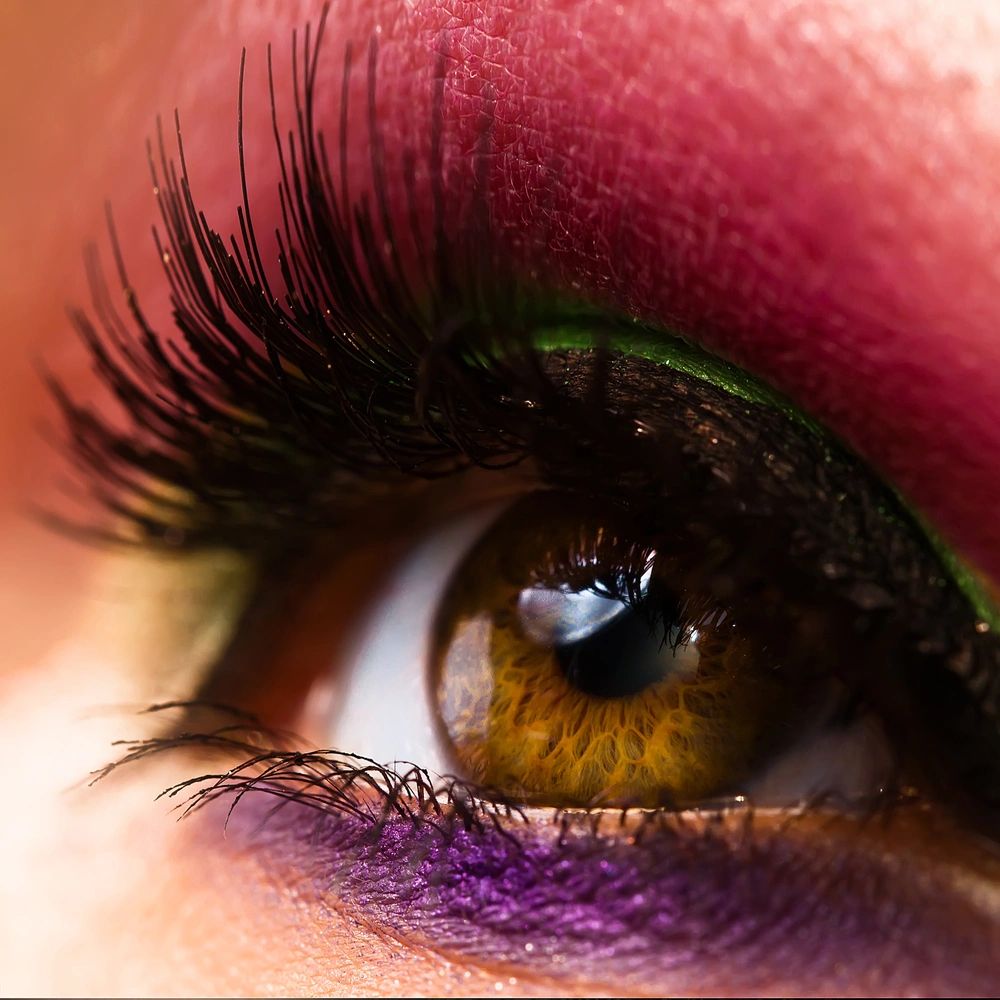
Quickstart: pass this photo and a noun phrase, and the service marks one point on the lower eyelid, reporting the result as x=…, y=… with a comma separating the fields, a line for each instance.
x=699, y=904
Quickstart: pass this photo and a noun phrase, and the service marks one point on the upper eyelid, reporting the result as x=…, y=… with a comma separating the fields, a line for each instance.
x=802, y=287
x=945, y=484
x=173, y=251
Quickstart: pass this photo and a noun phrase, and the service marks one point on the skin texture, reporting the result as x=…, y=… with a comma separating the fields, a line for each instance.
x=667, y=913
x=810, y=189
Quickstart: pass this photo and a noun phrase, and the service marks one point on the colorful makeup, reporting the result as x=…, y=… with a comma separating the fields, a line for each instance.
x=392, y=349
x=696, y=904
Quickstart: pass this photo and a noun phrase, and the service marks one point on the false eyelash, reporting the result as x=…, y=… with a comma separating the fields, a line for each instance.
x=333, y=782
x=357, y=366
x=339, y=785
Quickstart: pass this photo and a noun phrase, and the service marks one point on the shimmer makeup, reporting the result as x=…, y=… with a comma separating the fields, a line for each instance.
x=696, y=903
x=697, y=603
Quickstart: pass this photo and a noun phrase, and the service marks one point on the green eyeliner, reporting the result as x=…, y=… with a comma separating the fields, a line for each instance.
x=674, y=352
x=964, y=577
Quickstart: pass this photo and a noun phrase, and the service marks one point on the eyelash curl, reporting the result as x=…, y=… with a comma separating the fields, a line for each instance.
x=364, y=367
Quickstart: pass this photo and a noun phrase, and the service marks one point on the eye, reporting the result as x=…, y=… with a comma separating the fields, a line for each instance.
x=575, y=664
x=691, y=601
x=678, y=643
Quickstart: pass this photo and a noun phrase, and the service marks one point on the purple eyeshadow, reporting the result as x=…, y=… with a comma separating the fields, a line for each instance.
x=681, y=910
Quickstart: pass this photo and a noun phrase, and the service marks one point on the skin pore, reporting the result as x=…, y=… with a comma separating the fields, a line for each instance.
x=810, y=189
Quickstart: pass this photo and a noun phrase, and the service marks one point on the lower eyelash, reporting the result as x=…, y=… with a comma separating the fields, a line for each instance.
x=339, y=784
x=332, y=782
x=658, y=902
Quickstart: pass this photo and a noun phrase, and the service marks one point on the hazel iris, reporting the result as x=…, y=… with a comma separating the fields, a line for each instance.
x=573, y=667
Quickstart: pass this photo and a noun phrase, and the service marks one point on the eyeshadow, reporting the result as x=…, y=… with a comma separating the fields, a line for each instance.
x=635, y=340
x=688, y=908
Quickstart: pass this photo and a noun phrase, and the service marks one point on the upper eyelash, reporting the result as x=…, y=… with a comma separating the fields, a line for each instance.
x=380, y=358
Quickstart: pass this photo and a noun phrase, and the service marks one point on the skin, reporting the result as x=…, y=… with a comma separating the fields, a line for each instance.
x=856, y=267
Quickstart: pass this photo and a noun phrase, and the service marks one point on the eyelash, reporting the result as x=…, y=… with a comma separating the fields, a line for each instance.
x=332, y=782
x=368, y=355
x=392, y=379
x=337, y=785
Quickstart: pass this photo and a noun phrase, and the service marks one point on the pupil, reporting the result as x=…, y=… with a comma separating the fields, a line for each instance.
x=622, y=659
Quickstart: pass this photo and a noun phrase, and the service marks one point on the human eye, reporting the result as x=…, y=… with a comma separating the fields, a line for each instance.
x=526, y=635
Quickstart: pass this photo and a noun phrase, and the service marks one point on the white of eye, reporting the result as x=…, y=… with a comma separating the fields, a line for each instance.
x=846, y=762
x=381, y=702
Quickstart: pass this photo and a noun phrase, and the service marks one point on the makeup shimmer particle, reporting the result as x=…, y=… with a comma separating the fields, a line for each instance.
x=700, y=908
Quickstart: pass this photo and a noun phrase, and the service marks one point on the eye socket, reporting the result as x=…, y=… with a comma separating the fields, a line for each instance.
x=398, y=707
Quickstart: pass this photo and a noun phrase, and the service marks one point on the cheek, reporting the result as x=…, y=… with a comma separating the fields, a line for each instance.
x=134, y=904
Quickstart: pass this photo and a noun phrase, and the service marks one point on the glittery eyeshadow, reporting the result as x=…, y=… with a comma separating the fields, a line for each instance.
x=666, y=906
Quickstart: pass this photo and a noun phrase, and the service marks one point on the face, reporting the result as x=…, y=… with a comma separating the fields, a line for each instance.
x=530, y=503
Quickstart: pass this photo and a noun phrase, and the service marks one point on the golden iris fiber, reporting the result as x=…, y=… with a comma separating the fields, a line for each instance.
x=517, y=720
